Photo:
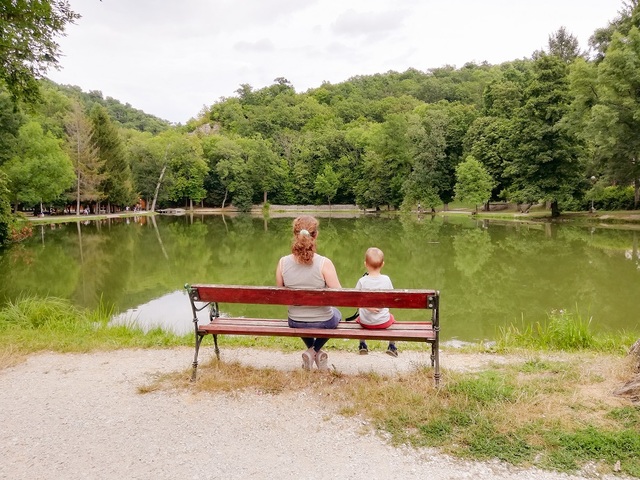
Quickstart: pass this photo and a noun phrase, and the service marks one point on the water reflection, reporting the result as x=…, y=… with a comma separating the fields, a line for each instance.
x=169, y=312
x=490, y=273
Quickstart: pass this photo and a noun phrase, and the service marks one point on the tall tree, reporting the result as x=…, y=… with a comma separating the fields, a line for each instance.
x=216, y=149
x=234, y=175
x=473, y=182
x=616, y=116
x=88, y=166
x=373, y=189
x=263, y=163
x=627, y=17
x=489, y=141
x=428, y=178
x=187, y=169
x=564, y=45
x=387, y=162
x=5, y=210
x=10, y=122
x=327, y=183
x=27, y=45
x=117, y=185
x=545, y=165
x=41, y=171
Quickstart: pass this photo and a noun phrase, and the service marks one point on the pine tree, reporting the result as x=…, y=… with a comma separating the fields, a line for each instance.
x=117, y=185
x=84, y=155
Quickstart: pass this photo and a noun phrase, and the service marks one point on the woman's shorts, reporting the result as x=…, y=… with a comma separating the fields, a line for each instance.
x=331, y=323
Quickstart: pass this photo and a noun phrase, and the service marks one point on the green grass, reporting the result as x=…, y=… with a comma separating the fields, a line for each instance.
x=562, y=330
x=33, y=324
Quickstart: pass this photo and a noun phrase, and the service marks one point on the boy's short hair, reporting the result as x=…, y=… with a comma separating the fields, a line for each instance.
x=374, y=257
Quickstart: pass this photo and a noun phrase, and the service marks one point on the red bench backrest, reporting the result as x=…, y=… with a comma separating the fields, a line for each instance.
x=346, y=297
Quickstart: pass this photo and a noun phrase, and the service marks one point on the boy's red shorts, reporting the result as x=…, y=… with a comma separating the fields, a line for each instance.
x=386, y=324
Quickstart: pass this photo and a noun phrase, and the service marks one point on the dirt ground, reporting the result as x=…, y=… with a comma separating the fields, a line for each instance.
x=80, y=416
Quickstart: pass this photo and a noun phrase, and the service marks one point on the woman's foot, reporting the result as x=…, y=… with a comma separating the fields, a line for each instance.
x=308, y=358
x=322, y=360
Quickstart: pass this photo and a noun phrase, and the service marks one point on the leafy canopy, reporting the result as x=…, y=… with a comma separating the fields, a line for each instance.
x=27, y=44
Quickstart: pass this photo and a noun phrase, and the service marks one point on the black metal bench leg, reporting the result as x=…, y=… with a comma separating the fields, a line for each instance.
x=195, y=358
x=215, y=344
x=435, y=363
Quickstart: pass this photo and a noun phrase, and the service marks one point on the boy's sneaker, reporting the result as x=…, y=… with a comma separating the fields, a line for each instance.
x=392, y=350
x=363, y=349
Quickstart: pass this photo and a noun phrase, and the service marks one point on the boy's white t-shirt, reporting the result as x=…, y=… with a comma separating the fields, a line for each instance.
x=369, y=282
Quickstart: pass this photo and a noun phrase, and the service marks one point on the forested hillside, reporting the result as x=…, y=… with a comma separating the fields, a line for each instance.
x=559, y=126
x=123, y=114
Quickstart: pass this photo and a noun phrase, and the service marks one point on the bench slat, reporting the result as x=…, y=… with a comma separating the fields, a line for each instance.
x=407, y=331
x=346, y=297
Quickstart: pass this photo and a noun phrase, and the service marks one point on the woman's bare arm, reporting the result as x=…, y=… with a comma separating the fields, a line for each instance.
x=330, y=275
x=279, y=278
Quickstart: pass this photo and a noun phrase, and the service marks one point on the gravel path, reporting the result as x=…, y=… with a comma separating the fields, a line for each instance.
x=78, y=416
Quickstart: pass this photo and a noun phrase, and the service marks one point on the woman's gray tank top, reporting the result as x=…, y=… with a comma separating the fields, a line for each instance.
x=297, y=275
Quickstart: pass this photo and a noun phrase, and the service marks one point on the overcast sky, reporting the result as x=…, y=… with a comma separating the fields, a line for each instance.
x=172, y=57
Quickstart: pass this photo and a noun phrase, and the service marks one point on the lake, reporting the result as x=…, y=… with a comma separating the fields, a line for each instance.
x=490, y=273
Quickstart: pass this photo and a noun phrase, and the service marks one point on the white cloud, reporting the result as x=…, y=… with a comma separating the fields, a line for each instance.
x=370, y=24
x=170, y=58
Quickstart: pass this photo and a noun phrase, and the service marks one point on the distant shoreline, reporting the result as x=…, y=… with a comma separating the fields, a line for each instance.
x=604, y=218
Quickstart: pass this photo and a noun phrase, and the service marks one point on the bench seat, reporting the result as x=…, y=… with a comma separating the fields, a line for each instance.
x=399, y=331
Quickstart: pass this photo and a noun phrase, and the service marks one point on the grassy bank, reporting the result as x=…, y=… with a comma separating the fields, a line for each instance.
x=550, y=406
x=32, y=325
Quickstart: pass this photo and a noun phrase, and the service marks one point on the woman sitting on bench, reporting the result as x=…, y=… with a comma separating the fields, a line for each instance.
x=304, y=268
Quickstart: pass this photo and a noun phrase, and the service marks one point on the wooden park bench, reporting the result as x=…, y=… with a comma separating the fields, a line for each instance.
x=427, y=330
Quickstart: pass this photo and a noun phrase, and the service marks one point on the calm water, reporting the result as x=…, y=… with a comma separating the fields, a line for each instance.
x=489, y=273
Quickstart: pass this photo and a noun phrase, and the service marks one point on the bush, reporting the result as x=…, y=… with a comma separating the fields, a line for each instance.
x=612, y=198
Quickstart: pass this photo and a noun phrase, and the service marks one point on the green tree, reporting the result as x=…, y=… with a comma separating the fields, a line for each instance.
x=386, y=164
x=27, y=44
x=327, y=183
x=545, y=165
x=459, y=117
x=373, y=189
x=41, y=171
x=489, y=141
x=428, y=177
x=473, y=182
x=5, y=210
x=52, y=109
x=266, y=170
x=616, y=115
x=564, y=45
x=626, y=18
x=187, y=169
x=146, y=163
x=236, y=178
x=10, y=122
x=216, y=149
x=117, y=185
x=83, y=152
